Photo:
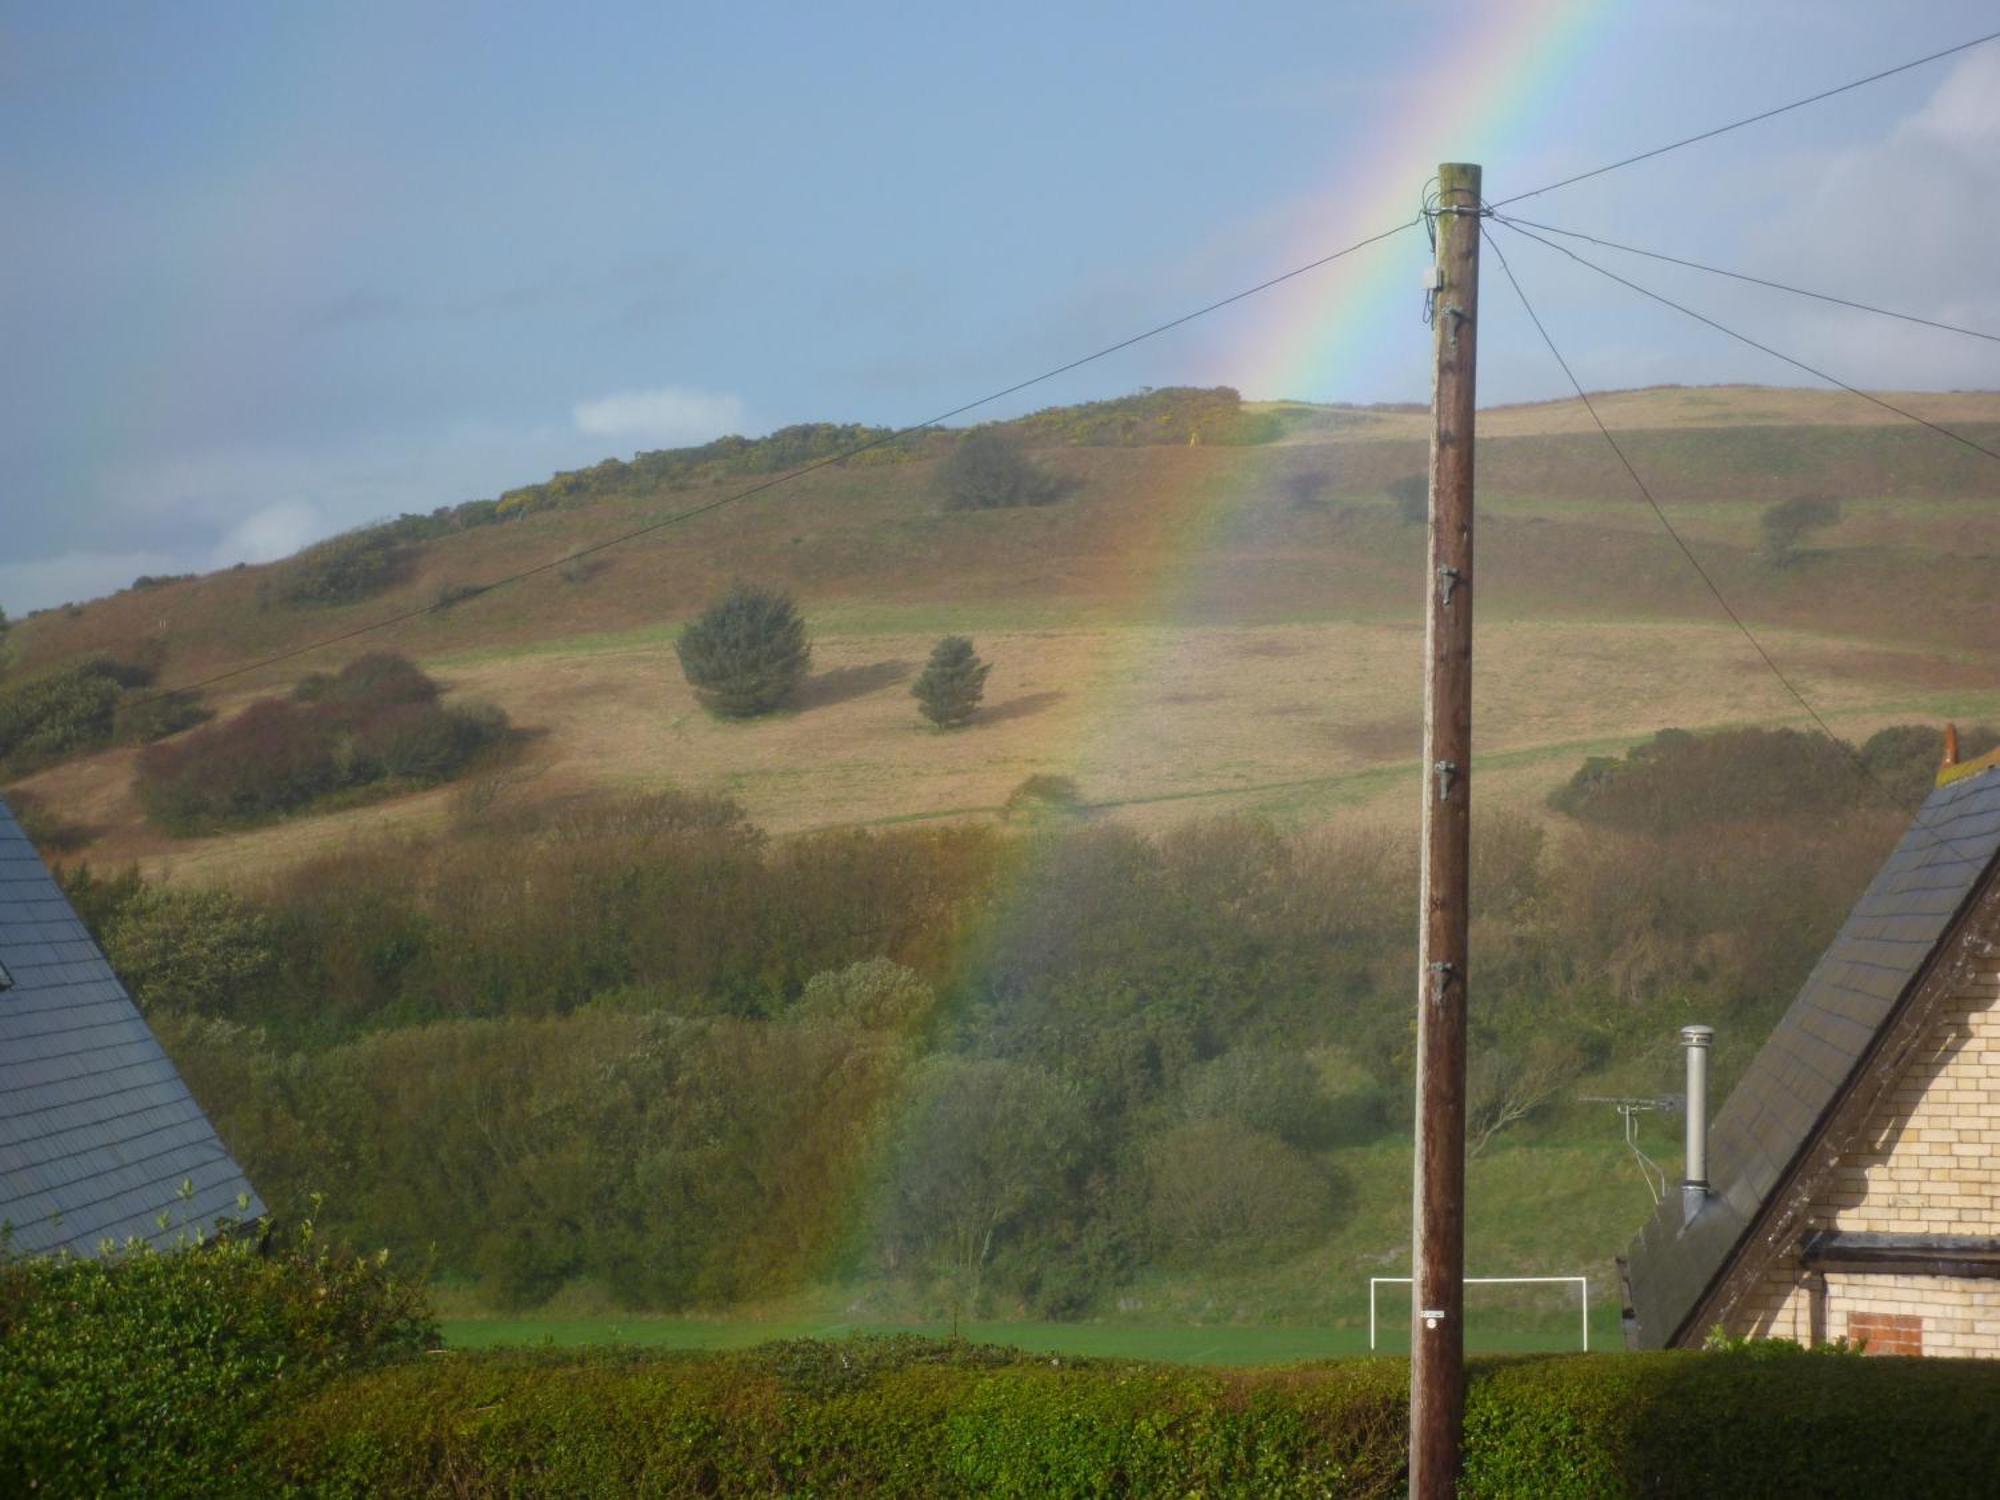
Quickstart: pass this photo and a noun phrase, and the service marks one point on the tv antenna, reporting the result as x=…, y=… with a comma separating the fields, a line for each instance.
x=1629, y=1110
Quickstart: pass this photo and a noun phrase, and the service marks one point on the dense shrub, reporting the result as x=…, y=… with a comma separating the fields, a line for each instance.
x=907, y=1417
x=1787, y=524
x=145, y=1373
x=1678, y=778
x=746, y=653
x=343, y=569
x=377, y=719
x=48, y=717
x=87, y=706
x=989, y=470
x=191, y=950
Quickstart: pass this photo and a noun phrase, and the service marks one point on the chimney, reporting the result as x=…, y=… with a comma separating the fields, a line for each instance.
x=1950, y=746
x=1694, y=1178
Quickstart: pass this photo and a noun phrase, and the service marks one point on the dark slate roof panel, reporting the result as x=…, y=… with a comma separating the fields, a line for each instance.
x=1812, y=1054
x=100, y=1140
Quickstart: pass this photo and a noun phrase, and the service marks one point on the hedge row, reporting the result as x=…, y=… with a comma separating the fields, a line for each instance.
x=909, y=1417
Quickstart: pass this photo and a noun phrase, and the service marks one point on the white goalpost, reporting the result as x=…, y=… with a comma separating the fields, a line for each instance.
x=1581, y=1283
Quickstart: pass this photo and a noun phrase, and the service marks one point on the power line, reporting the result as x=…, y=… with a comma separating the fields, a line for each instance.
x=1777, y=286
x=1763, y=115
x=757, y=489
x=1688, y=552
x=1813, y=370
x=1679, y=541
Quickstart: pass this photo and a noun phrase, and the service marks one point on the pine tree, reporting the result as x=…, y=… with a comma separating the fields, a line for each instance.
x=746, y=653
x=951, y=686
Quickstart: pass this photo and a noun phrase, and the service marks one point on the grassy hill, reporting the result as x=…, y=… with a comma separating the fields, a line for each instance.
x=1227, y=623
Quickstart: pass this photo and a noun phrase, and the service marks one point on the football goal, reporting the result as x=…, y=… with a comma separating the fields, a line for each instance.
x=1581, y=1283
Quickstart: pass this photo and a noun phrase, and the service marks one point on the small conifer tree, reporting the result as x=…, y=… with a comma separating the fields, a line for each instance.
x=951, y=685
x=746, y=653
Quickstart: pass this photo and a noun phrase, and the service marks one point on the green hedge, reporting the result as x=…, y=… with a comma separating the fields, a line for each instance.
x=145, y=1373
x=908, y=1417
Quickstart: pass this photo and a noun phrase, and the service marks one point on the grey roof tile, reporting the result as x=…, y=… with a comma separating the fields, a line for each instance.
x=99, y=1137
x=1811, y=1055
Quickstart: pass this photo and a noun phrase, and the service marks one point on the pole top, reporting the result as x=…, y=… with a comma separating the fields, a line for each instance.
x=1697, y=1036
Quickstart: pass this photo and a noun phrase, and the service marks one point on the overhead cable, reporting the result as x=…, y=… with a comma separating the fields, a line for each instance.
x=1776, y=286
x=1762, y=115
x=1744, y=338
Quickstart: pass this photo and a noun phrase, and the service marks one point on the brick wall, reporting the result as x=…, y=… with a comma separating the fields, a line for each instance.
x=1928, y=1163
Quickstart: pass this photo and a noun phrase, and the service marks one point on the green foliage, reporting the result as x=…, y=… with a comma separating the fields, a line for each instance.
x=876, y=994
x=1171, y=415
x=1217, y=1185
x=377, y=720
x=907, y=1417
x=1905, y=758
x=1787, y=524
x=949, y=688
x=190, y=950
x=989, y=470
x=342, y=570
x=746, y=653
x=1272, y=1090
x=146, y=1373
x=154, y=716
x=987, y=1146
x=1677, y=779
x=1042, y=795
x=62, y=713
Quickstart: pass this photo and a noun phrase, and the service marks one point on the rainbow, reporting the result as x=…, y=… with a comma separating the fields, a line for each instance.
x=1301, y=341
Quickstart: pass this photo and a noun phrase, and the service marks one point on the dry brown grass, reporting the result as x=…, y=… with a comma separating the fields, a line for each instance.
x=1152, y=722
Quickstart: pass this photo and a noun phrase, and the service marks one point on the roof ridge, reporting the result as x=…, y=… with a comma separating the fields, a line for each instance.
x=1965, y=769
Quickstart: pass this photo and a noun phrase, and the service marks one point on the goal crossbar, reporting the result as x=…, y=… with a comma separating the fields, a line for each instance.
x=1581, y=1283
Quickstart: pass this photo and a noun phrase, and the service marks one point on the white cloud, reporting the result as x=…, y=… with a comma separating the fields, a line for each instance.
x=272, y=532
x=671, y=416
x=1899, y=222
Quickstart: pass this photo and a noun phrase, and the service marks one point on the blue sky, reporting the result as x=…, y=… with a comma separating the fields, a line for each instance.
x=273, y=271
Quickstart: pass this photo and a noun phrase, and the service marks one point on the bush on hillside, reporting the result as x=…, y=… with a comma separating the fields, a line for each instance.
x=85, y=707
x=1906, y=758
x=341, y=570
x=378, y=719
x=916, y=1418
x=989, y=470
x=189, y=950
x=146, y=1373
x=1789, y=523
x=953, y=681
x=746, y=654
x=1679, y=779
x=1217, y=1185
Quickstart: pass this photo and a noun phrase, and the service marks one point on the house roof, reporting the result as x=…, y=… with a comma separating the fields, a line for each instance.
x=1816, y=1051
x=98, y=1134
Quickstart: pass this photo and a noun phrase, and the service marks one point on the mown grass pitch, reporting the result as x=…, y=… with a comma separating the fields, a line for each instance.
x=1505, y=1332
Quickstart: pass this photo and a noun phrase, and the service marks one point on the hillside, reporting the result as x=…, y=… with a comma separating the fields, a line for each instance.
x=1227, y=624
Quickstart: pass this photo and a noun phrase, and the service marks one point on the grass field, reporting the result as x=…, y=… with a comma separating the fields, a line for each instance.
x=1486, y=1332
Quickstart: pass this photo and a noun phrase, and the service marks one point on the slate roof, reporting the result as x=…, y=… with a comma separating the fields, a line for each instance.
x=1813, y=1054
x=97, y=1131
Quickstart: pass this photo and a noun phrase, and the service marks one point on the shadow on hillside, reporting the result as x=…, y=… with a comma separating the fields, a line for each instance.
x=845, y=683
x=1018, y=708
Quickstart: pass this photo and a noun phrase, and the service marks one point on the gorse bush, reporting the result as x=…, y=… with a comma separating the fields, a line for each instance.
x=146, y=1373
x=745, y=654
x=377, y=720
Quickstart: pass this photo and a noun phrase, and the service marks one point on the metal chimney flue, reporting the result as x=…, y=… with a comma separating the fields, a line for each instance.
x=1694, y=1179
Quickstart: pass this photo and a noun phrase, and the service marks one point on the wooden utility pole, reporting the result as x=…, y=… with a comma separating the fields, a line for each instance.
x=1437, y=1326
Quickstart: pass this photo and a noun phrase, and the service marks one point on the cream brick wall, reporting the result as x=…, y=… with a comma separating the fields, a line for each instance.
x=1928, y=1163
